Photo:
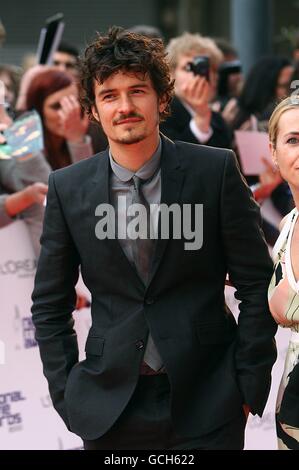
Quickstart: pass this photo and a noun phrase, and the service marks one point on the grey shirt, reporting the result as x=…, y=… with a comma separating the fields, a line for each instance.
x=121, y=185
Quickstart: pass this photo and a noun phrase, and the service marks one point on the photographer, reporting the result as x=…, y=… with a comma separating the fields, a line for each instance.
x=230, y=82
x=194, y=61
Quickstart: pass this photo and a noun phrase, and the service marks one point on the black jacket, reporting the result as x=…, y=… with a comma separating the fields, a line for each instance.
x=214, y=366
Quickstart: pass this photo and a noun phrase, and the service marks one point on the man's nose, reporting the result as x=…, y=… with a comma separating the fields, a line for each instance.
x=126, y=105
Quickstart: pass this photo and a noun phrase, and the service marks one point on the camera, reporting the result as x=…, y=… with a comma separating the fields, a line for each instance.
x=200, y=66
x=233, y=66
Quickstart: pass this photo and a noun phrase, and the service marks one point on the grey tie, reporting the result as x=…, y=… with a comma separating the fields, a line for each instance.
x=143, y=250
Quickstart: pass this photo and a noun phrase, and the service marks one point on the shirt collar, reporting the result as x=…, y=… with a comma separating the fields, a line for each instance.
x=145, y=172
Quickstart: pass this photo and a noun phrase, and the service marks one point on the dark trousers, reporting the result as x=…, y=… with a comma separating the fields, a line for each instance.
x=146, y=424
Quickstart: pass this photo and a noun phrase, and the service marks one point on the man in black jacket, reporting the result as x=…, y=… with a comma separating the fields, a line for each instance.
x=167, y=366
x=192, y=119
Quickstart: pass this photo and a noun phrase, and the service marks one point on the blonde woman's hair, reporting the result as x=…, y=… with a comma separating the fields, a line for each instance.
x=193, y=43
x=292, y=102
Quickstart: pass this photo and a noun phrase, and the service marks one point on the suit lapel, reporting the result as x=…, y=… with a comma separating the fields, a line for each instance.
x=100, y=180
x=172, y=178
x=101, y=195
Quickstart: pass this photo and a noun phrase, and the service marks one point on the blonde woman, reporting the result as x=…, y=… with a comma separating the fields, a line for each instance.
x=284, y=286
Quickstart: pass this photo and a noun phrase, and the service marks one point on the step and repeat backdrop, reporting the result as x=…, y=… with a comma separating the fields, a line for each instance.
x=27, y=418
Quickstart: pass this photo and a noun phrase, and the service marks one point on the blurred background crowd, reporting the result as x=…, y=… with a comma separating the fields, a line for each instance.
x=232, y=61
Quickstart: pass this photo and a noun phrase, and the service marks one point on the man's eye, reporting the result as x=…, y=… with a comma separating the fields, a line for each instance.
x=137, y=92
x=108, y=97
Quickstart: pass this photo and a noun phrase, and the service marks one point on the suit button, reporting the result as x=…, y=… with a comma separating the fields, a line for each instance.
x=149, y=301
x=139, y=344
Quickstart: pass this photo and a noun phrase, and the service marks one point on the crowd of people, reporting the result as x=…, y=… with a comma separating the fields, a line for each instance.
x=193, y=91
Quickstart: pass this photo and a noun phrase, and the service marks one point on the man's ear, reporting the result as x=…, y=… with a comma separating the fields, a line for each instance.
x=95, y=113
x=162, y=103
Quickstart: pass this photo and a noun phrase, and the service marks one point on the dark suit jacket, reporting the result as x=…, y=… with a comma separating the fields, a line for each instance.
x=176, y=127
x=213, y=365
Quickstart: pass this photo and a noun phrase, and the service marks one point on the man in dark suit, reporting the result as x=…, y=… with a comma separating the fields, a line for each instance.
x=192, y=119
x=166, y=366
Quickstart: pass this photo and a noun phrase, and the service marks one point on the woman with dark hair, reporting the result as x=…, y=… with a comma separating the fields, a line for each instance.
x=53, y=94
x=267, y=83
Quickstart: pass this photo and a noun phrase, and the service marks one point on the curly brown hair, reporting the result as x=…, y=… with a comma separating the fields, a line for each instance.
x=124, y=50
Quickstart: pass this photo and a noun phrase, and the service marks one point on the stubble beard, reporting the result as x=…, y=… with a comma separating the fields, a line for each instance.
x=131, y=138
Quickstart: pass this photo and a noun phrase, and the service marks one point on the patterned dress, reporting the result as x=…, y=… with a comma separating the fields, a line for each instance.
x=283, y=298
